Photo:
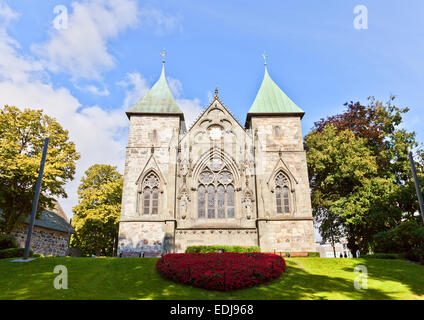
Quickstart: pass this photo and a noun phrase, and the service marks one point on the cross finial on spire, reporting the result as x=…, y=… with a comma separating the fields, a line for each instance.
x=163, y=54
x=216, y=93
x=264, y=56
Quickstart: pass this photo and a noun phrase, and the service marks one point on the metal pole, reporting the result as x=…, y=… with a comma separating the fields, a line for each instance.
x=417, y=186
x=36, y=196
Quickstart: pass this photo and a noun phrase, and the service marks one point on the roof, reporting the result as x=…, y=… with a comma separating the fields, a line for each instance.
x=272, y=100
x=158, y=100
x=53, y=221
x=215, y=98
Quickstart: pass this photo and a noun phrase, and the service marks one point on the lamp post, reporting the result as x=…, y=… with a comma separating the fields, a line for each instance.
x=417, y=185
x=35, y=202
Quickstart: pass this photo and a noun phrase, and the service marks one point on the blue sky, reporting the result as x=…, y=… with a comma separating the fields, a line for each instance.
x=108, y=56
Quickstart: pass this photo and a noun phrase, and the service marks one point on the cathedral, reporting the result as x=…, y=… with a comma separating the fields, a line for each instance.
x=217, y=182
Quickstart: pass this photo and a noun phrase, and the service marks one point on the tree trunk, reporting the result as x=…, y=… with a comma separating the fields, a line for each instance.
x=333, y=245
x=352, y=246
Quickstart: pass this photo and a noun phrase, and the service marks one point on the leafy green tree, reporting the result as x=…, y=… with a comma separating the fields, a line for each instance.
x=22, y=135
x=97, y=213
x=330, y=227
x=379, y=124
x=340, y=167
x=384, y=198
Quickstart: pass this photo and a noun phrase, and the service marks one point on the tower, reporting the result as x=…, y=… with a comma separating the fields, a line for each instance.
x=217, y=183
x=148, y=201
x=285, y=220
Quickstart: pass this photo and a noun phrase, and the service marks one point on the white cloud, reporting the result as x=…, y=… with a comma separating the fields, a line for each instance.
x=136, y=87
x=162, y=23
x=81, y=49
x=191, y=109
x=93, y=90
x=99, y=135
x=175, y=86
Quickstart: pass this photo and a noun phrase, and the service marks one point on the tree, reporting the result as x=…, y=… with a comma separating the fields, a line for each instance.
x=330, y=227
x=97, y=213
x=22, y=135
x=340, y=168
x=387, y=197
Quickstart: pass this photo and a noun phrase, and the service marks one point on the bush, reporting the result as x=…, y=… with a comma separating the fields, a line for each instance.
x=221, y=271
x=383, y=256
x=209, y=249
x=402, y=239
x=7, y=241
x=415, y=254
x=313, y=254
x=13, y=253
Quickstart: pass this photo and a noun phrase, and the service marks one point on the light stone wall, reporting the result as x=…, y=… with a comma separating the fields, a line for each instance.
x=141, y=236
x=44, y=241
x=287, y=236
x=144, y=155
x=292, y=232
x=180, y=159
x=234, y=146
x=202, y=237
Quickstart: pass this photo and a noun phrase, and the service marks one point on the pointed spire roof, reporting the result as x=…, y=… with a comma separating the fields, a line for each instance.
x=272, y=100
x=158, y=100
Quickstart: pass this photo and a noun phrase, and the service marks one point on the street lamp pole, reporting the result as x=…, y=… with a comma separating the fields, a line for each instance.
x=417, y=185
x=35, y=202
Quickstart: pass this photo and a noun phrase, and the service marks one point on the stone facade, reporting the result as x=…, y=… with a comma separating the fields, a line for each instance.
x=44, y=241
x=218, y=183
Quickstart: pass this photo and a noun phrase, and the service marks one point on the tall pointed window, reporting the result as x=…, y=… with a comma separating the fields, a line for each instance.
x=211, y=201
x=215, y=192
x=230, y=201
x=282, y=194
x=150, y=194
x=201, y=201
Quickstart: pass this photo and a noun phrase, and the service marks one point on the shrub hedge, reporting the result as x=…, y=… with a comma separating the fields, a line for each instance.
x=313, y=254
x=14, y=253
x=209, y=249
x=406, y=239
x=383, y=256
x=7, y=241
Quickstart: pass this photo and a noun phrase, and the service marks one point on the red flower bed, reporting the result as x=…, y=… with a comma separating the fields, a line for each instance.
x=221, y=271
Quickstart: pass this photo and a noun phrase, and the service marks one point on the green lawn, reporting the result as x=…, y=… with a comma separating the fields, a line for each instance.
x=134, y=278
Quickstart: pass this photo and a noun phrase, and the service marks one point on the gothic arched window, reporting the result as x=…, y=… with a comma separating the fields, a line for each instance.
x=282, y=193
x=201, y=199
x=150, y=194
x=215, y=192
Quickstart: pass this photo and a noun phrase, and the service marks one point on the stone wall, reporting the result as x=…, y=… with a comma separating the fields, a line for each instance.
x=209, y=237
x=292, y=232
x=44, y=241
x=287, y=236
x=141, y=236
x=179, y=162
x=143, y=154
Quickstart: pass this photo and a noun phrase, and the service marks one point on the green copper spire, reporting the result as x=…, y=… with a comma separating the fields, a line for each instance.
x=272, y=100
x=158, y=100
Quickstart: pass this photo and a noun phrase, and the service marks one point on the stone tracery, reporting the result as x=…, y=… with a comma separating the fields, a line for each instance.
x=216, y=192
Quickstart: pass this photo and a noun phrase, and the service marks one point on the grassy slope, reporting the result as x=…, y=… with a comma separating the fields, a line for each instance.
x=132, y=278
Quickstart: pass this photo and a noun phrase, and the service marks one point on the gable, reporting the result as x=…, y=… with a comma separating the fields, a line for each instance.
x=215, y=121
